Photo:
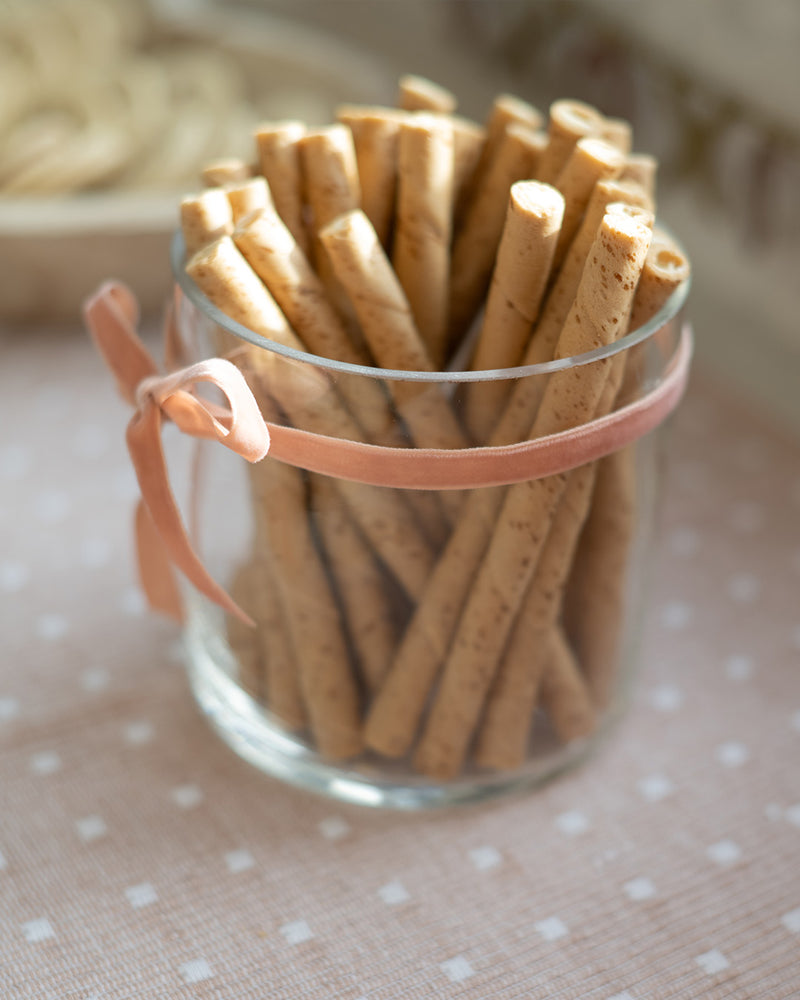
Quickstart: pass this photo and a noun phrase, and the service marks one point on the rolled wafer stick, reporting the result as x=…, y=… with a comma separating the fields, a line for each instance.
x=368, y=603
x=476, y=242
x=307, y=396
x=469, y=139
x=506, y=110
x=227, y=171
x=521, y=271
x=590, y=161
x=564, y=693
x=248, y=196
x=279, y=162
x=375, y=137
x=242, y=638
x=568, y=121
x=328, y=682
x=641, y=168
x=422, y=236
x=395, y=714
x=601, y=308
x=618, y=132
x=416, y=93
x=595, y=599
x=204, y=218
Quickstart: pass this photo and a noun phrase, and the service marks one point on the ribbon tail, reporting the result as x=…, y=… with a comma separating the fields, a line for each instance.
x=156, y=576
x=144, y=445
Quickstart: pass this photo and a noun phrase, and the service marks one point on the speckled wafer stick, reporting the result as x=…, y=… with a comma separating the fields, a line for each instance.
x=568, y=121
x=279, y=162
x=248, y=196
x=422, y=234
x=243, y=639
x=618, y=132
x=590, y=161
x=601, y=308
x=506, y=110
x=375, y=136
x=595, y=600
x=327, y=678
x=416, y=93
x=521, y=271
x=395, y=714
x=204, y=218
x=526, y=395
x=641, y=168
x=385, y=317
x=564, y=694
x=368, y=603
x=469, y=139
x=308, y=398
x=476, y=242
x=330, y=176
x=227, y=171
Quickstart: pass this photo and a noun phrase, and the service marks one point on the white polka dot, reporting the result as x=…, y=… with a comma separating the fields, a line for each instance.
x=791, y=921
x=94, y=553
x=90, y=441
x=746, y=517
x=52, y=627
x=186, y=796
x=485, y=858
x=639, y=889
x=724, y=853
x=91, y=828
x=138, y=733
x=732, y=754
x=712, y=962
x=572, y=822
x=621, y=996
x=239, y=861
x=457, y=969
x=195, y=971
x=551, y=929
x=141, y=895
x=334, y=828
x=14, y=576
x=793, y=815
x=297, y=932
x=16, y=461
x=51, y=506
x=38, y=930
x=666, y=698
x=743, y=588
x=132, y=602
x=9, y=709
x=393, y=893
x=95, y=679
x=676, y=616
x=47, y=762
x=655, y=787
x=684, y=541
x=739, y=668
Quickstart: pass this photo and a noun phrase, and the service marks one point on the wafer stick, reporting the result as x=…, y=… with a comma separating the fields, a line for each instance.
x=204, y=218
x=248, y=196
x=375, y=137
x=227, y=171
x=326, y=675
x=279, y=162
x=595, y=598
x=416, y=93
x=641, y=168
x=368, y=603
x=564, y=694
x=395, y=714
x=568, y=121
x=521, y=271
x=469, y=139
x=601, y=308
x=590, y=161
x=242, y=638
x=476, y=242
x=618, y=132
x=421, y=248
x=506, y=110
x=307, y=396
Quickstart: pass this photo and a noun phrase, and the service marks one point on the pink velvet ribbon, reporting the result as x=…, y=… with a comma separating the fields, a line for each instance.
x=162, y=542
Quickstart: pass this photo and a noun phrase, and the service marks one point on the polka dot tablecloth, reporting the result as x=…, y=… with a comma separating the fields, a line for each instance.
x=139, y=858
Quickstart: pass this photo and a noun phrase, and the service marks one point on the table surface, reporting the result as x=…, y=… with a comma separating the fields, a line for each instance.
x=140, y=858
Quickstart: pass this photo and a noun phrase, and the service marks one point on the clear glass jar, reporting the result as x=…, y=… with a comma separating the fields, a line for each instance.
x=418, y=647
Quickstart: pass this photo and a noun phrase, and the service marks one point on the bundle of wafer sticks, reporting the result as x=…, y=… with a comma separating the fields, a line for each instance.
x=436, y=627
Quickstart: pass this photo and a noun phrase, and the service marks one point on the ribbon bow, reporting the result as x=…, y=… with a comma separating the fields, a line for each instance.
x=112, y=317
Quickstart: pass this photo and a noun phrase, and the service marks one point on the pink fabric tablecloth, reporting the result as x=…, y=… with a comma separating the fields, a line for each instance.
x=140, y=858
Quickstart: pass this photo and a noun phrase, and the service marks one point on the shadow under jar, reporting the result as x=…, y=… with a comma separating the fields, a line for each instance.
x=438, y=620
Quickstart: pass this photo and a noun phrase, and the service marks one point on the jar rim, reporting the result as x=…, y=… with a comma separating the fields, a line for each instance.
x=669, y=311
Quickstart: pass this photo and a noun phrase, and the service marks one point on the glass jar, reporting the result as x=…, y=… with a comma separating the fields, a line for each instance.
x=433, y=623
